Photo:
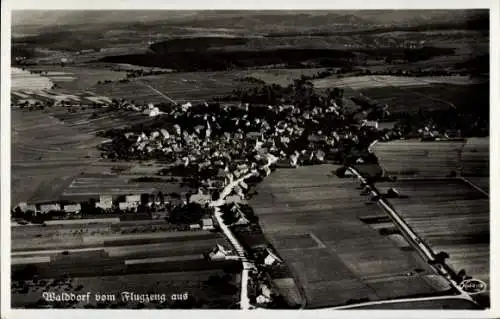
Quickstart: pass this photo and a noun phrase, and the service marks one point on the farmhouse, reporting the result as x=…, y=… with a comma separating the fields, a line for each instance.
x=218, y=253
x=72, y=208
x=207, y=224
x=105, y=202
x=194, y=226
x=265, y=295
x=127, y=205
x=200, y=198
x=45, y=208
x=133, y=198
x=271, y=259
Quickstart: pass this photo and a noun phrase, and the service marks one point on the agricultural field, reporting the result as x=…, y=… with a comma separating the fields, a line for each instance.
x=181, y=87
x=282, y=77
x=435, y=159
x=376, y=81
x=85, y=186
x=46, y=155
x=51, y=148
x=23, y=79
x=451, y=216
x=196, y=86
x=435, y=97
x=78, y=78
x=318, y=224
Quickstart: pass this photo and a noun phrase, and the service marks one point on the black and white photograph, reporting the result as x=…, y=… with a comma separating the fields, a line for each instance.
x=250, y=159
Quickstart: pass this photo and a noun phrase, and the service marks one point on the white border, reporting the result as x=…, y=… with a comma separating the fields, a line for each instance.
x=8, y=5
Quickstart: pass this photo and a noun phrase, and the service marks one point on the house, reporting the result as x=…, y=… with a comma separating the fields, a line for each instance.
x=194, y=227
x=218, y=253
x=164, y=133
x=373, y=124
x=242, y=221
x=200, y=198
x=133, y=198
x=72, y=208
x=45, y=208
x=105, y=202
x=271, y=259
x=154, y=135
x=254, y=135
x=207, y=224
x=23, y=206
x=127, y=205
x=264, y=296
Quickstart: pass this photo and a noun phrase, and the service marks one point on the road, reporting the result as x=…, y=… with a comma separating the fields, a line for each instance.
x=424, y=250
x=247, y=264
x=157, y=92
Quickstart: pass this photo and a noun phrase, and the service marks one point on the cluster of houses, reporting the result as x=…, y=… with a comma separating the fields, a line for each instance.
x=223, y=138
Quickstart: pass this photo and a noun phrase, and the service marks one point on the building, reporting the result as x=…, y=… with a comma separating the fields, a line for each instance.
x=200, y=198
x=45, y=208
x=133, y=198
x=72, y=208
x=242, y=221
x=218, y=253
x=271, y=259
x=127, y=205
x=194, y=227
x=207, y=224
x=373, y=124
x=265, y=295
x=23, y=206
x=105, y=202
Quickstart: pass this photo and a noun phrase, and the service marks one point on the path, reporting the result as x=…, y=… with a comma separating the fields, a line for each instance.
x=157, y=92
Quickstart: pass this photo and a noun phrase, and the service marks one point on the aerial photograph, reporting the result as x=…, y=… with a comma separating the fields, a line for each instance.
x=223, y=159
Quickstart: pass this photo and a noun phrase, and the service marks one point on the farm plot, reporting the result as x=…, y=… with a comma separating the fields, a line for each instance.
x=85, y=187
x=282, y=77
x=23, y=79
x=78, y=78
x=451, y=216
x=181, y=87
x=46, y=155
x=336, y=257
x=375, y=81
x=476, y=157
x=430, y=97
x=435, y=159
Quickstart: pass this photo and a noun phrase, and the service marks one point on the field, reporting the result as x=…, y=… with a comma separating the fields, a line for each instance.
x=375, y=81
x=22, y=79
x=182, y=87
x=318, y=224
x=282, y=77
x=451, y=216
x=78, y=77
x=54, y=156
x=46, y=155
x=435, y=159
x=440, y=96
